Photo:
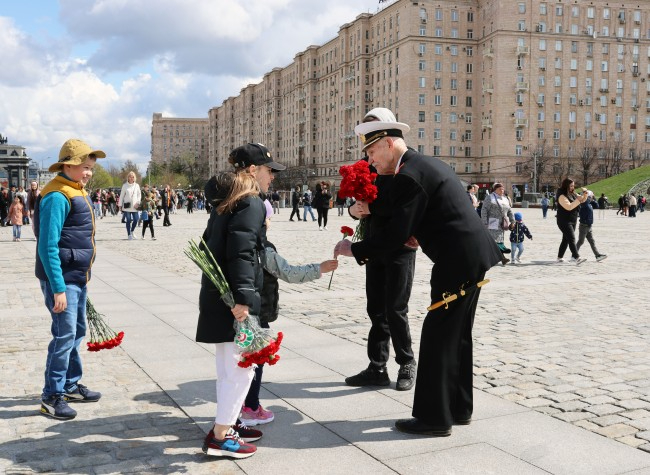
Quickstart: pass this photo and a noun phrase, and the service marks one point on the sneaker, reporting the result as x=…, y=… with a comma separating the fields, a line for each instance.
x=258, y=417
x=246, y=433
x=369, y=377
x=324, y=227
x=513, y=262
x=230, y=446
x=130, y=237
x=577, y=261
x=406, y=376
x=153, y=238
x=82, y=394
x=559, y=259
x=56, y=407
x=518, y=260
x=320, y=228
x=143, y=238
x=601, y=257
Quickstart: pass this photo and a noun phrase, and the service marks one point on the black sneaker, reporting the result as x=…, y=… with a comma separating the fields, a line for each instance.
x=369, y=377
x=247, y=434
x=56, y=407
x=406, y=376
x=82, y=394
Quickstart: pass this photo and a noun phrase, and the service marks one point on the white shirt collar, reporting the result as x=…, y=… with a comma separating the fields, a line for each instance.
x=399, y=162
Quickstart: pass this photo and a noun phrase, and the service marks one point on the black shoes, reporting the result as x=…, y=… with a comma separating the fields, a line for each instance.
x=406, y=376
x=416, y=426
x=369, y=377
x=463, y=422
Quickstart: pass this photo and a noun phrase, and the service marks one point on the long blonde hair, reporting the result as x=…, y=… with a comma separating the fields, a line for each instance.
x=239, y=185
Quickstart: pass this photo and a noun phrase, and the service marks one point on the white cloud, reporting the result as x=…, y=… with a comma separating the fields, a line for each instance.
x=136, y=57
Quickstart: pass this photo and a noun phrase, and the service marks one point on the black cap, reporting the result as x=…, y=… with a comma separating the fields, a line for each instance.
x=254, y=154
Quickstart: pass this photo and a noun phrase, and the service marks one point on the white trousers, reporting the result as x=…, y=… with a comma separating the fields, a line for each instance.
x=232, y=383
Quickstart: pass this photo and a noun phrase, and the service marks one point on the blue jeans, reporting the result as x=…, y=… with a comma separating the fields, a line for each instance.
x=304, y=213
x=131, y=221
x=63, y=364
x=517, y=245
x=16, y=231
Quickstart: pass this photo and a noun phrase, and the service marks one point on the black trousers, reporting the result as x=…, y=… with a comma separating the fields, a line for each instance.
x=568, y=229
x=443, y=388
x=322, y=216
x=296, y=211
x=166, y=219
x=148, y=224
x=388, y=288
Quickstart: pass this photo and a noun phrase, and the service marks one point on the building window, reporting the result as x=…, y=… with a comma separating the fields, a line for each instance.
x=522, y=7
x=518, y=150
x=421, y=99
x=422, y=65
x=421, y=116
x=542, y=8
x=420, y=133
x=423, y=82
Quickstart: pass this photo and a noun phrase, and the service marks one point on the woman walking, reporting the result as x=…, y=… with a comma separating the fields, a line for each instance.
x=321, y=202
x=235, y=235
x=130, y=202
x=567, y=218
x=497, y=217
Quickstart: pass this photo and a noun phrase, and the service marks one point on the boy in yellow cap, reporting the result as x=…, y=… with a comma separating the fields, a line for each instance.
x=64, y=225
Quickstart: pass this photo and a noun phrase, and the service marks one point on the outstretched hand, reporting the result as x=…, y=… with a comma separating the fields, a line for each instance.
x=328, y=266
x=343, y=248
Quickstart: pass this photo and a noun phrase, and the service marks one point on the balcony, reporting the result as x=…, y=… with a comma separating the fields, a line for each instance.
x=604, y=91
x=348, y=105
x=522, y=50
x=488, y=88
x=301, y=144
x=521, y=122
x=302, y=120
x=521, y=86
x=489, y=52
x=349, y=77
x=302, y=96
x=486, y=123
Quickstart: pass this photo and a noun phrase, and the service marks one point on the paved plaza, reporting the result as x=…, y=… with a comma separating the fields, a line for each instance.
x=562, y=363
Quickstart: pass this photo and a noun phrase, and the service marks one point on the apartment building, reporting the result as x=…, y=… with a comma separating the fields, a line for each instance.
x=173, y=138
x=515, y=91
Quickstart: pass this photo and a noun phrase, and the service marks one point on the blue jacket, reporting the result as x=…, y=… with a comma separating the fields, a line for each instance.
x=587, y=213
x=64, y=225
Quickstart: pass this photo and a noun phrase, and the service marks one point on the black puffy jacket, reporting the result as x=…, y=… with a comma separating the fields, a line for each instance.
x=236, y=241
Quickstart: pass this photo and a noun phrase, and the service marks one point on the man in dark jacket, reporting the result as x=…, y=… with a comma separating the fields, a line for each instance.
x=429, y=203
x=389, y=279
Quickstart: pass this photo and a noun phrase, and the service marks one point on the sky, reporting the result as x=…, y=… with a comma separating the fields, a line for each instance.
x=98, y=69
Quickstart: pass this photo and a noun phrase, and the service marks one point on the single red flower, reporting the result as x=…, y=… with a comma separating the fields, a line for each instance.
x=347, y=231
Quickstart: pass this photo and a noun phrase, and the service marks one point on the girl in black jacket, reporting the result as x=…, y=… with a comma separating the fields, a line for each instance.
x=321, y=202
x=235, y=235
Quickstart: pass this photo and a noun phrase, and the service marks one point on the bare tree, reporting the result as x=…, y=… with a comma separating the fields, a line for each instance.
x=586, y=162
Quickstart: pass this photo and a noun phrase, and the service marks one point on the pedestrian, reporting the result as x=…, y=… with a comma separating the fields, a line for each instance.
x=389, y=279
x=429, y=203
x=321, y=202
x=602, y=205
x=16, y=213
x=340, y=203
x=642, y=203
x=275, y=201
x=567, y=218
x=307, y=205
x=190, y=203
x=32, y=194
x=5, y=202
x=544, y=203
x=275, y=267
x=167, y=204
x=64, y=227
x=235, y=236
x=471, y=194
x=517, y=234
x=632, y=208
x=497, y=217
x=586, y=217
x=295, y=203
x=146, y=215
x=130, y=196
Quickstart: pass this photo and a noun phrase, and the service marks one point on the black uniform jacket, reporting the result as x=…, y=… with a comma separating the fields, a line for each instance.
x=429, y=202
x=236, y=241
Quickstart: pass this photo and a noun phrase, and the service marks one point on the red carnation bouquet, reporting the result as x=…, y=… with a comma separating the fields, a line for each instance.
x=359, y=183
x=102, y=337
x=255, y=344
